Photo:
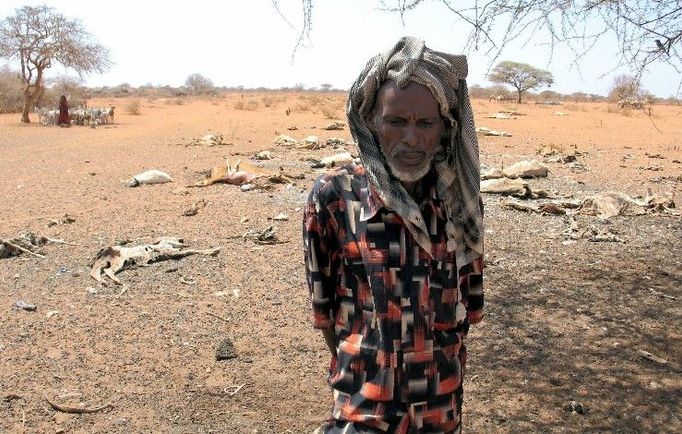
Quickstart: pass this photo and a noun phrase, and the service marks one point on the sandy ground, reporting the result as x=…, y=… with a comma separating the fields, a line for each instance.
x=561, y=349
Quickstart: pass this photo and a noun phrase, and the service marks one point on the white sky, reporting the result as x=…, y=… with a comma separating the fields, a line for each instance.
x=246, y=42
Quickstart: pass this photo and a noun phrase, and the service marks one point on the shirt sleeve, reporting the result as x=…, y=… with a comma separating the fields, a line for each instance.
x=471, y=287
x=321, y=260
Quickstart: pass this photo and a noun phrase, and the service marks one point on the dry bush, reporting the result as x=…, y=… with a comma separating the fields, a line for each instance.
x=133, y=107
x=11, y=97
x=175, y=101
x=314, y=100
x=328, y=112
x=248, y=105
x=301, y=107
x=575, y=107
x=268, y=100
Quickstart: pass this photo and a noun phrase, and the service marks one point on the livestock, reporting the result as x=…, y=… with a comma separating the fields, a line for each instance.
x=501, y=98
x=634, y=103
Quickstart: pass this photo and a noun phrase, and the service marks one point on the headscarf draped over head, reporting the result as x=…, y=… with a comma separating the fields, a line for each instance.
x=457, y=165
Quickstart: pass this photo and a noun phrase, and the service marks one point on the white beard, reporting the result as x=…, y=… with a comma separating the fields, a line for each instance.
x=412, y=176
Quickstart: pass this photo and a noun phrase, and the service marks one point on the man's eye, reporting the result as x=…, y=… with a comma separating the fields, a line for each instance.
x=396, y=122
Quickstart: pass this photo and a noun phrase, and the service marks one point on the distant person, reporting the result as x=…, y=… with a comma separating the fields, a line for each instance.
x=63, y=120
x=394, y=247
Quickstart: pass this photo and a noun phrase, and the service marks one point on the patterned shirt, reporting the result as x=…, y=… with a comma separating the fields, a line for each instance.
x=400, y=313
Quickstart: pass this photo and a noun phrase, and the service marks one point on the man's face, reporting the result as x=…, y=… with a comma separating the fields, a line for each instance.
x=408, y=126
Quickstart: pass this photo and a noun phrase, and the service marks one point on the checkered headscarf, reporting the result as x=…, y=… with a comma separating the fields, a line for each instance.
x=457, y=167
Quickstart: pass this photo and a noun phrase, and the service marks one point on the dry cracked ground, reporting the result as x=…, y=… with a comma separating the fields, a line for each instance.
x=580, y=335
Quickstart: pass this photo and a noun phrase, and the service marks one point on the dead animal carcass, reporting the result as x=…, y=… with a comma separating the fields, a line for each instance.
x=111, y=260
x=149, y=177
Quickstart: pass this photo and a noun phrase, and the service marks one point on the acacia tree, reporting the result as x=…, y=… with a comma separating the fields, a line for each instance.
x=521, y=76
x=624, y=88
x=39, y=37
x=647, y=31
x=197, y=84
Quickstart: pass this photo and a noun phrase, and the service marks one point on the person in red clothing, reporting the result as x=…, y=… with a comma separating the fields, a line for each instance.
x=63, y=120
x=394, y=248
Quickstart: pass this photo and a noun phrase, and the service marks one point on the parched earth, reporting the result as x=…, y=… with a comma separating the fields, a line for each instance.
x=580, y=336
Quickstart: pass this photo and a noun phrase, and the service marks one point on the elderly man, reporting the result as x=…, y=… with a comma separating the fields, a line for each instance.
x=394, y=247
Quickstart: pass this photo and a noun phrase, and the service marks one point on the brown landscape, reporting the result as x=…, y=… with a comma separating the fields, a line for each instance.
x=583, y=326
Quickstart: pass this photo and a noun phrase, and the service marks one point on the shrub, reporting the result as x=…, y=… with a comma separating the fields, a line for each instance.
x=133, y=107
x=11, y=97
x=328, y=112
x=249, y=105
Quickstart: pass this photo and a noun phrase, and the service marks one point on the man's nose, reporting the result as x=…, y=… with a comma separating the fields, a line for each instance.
x=410, y=135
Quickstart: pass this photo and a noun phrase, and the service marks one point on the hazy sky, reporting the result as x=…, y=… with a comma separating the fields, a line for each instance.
x=246, y=42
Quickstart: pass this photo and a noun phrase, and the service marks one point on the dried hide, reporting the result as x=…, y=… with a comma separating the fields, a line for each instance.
x=491, y=173
x=241, y=173
x=526, y=169
x=27, y=242
x=285, y=140
x=337, y=160
x=500, y=115
x=150, y=177
x=545, y=208
x=208, y=140
x=506, y=186
x=111, y=260
x=488, y=132
x=608, y=205
x=335, y=126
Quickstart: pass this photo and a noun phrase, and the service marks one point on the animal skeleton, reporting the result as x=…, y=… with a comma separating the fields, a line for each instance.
x=111, y=260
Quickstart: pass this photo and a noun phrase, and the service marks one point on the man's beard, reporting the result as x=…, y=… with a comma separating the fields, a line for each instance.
x=408, y=176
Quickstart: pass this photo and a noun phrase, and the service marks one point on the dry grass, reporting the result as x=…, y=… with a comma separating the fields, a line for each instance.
x=329, y=112
x=134, y=107
x=248, y=105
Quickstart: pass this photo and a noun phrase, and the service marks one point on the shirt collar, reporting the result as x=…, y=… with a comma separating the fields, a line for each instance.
x=371, y=202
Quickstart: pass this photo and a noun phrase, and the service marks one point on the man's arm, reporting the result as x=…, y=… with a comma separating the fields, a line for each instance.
x=321, y=267
x=330, y=339
x=471, y=289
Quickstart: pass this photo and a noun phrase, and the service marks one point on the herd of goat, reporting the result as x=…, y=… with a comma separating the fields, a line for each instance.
x=77, y=116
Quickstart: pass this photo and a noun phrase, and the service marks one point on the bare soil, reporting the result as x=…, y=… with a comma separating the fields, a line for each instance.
x=561, y=349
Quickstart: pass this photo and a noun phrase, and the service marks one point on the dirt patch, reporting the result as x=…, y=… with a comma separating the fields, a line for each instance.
x=568, y=320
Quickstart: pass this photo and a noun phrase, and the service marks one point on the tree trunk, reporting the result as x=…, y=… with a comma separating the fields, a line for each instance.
x=519, y=100
x=26, y=110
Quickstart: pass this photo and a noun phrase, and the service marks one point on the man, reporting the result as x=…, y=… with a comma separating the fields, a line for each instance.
x=394, y=247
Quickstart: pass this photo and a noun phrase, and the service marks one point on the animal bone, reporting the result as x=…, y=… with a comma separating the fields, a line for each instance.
x=111, y=260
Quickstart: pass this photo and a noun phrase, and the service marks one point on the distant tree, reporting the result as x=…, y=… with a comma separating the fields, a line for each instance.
x=550, y=95
x=521, y=76
x=579, y=96
x=197, y=84
x=326, y=87
x=625, y=88
x=299, y=87
x=65, y=85
x=38, y=37
x=11, y=99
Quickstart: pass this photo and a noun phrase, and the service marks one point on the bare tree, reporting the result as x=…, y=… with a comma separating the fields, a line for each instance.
x=521, y=76
x=197, y=84
x=625, y=88
x=38, y=37
x=647, y=31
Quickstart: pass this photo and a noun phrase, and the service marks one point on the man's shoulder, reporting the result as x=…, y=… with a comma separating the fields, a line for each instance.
x=332, y=183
